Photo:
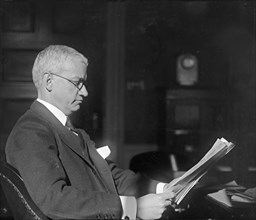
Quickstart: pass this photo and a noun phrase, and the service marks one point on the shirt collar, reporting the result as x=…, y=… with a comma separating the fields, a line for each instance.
x=55, y=111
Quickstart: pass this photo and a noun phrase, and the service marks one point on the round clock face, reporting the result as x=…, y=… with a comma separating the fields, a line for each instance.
x=188, y=62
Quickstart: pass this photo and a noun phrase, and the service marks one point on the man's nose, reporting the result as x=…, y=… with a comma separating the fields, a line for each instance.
x=83, y=91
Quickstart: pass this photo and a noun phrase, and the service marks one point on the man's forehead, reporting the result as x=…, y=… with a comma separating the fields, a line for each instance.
x=74, y=66
x=78, y=76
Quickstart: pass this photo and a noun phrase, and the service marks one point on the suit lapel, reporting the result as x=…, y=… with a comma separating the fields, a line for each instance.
x=73, y=142
x=100, y=164
x=67, y=136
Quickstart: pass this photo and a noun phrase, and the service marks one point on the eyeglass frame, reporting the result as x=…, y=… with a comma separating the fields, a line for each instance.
x=75, y=83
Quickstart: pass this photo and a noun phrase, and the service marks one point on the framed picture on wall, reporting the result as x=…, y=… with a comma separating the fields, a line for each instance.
x=18, y=16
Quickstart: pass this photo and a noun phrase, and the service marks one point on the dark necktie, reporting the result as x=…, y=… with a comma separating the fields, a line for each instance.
x=78, y=133
x=69, y=125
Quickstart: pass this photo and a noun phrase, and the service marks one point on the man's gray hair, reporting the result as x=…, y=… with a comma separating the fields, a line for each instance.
x=51, y=59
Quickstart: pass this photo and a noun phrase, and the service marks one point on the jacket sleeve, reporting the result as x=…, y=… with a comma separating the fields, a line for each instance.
x=32, y=149
x=129, y=183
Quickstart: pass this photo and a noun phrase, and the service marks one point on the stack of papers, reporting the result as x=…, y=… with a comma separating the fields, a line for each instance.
x=231, y=198
x=183, y=185
x=240, y=197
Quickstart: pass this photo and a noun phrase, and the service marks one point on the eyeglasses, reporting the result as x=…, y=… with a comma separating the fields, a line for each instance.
x=78, y=84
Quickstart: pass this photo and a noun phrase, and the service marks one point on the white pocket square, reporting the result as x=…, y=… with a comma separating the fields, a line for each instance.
x=104, y=151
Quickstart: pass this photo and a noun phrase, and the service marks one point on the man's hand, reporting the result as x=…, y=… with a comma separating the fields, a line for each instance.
x=152, y=206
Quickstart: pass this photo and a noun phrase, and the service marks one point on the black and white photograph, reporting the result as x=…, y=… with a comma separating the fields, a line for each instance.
x=128, y=109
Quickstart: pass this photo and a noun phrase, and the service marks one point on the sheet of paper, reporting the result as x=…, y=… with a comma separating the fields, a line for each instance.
x=221, y=197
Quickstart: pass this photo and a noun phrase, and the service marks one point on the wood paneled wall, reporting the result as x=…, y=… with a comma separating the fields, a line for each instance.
x=29, y=26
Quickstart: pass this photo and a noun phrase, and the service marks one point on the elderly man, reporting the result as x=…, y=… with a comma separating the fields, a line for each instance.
x=64, y=174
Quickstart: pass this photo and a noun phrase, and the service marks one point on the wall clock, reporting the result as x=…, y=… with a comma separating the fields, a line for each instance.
x=187, y=70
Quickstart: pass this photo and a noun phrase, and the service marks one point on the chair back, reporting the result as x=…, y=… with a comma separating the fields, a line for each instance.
x=159, y=165
x=19, y=201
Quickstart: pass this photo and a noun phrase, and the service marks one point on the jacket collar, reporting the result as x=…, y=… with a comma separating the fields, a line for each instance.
x=67, y=136
x=73, y=142
x=54, y=110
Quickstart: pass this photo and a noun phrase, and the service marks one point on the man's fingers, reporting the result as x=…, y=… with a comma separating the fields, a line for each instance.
x=167, y=196
x=168, y=202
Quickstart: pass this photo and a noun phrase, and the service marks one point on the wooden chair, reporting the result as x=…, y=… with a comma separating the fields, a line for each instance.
x=19, y=201
x=159, y=165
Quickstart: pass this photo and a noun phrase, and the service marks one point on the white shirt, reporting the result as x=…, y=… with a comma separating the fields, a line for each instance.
x=54, y=110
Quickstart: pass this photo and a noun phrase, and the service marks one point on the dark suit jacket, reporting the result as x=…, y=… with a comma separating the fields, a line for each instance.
x=58, y=173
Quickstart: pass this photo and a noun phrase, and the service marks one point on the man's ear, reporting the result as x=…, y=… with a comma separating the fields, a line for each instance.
x=48, y=81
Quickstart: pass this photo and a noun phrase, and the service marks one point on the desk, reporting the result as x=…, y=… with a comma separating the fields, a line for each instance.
x=218, y=210
x=202, y=207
